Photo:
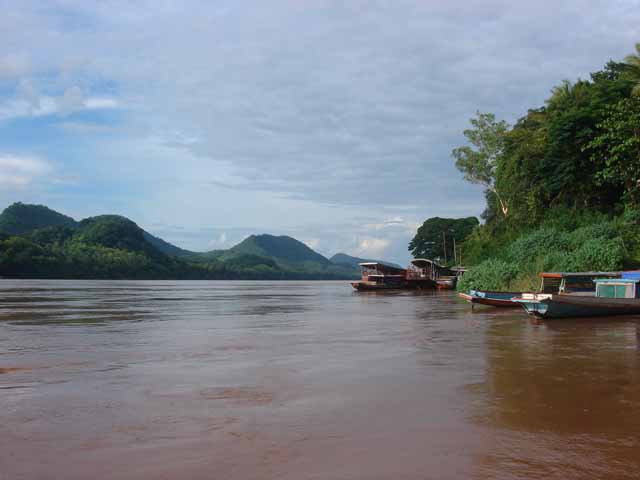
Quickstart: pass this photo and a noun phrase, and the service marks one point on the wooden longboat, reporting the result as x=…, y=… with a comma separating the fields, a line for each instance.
x=576, y=284
x=566, y=306
x=611, y=296
x=380, y=276
x=494, y=299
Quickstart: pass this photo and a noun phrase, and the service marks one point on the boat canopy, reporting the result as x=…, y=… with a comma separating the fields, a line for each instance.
x=580, y=274
x=382, y=268
x=631, y=274
x=424, y=263
x=572, y=282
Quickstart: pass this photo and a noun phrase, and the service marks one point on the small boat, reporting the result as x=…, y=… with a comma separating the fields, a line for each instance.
x=611, y=296
x=421, y=273
x=495, y=299
x=380, y=276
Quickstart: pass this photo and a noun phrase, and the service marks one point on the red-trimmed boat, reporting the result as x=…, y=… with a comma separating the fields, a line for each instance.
x=380, y=276
x=494, y=299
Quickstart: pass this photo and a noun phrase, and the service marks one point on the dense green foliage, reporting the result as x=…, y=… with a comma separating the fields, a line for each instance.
x=285, y=249
x=20, y=218
x=608, y=245
x=111, y=246
x=435, y=237
x=569, y=172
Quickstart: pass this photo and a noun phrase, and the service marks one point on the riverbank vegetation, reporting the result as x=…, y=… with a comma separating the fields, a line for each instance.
x=562, y=185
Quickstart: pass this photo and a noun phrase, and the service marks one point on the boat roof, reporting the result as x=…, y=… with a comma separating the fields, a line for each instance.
x=631, y=274
x=458, y=269
x=578, y=274
x=421, y=262
x=383, y=267
x=617, y=280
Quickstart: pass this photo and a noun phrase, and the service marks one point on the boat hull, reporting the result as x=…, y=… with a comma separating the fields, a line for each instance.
x=494, y=299
x=420, y=284
x=374, y=287
x=446, y=284
x=568, y=306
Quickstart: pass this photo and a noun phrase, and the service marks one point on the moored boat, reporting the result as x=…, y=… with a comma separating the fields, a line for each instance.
x=573, y=283
x=380, y=276
x=421, y=273
x=611, y=296
x=494, y=299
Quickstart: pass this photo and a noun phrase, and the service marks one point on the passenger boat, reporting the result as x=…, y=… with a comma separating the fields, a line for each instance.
x=579, y=283
x=421, y=274
x=495, y=299
x=598, y=294
x=380, y=276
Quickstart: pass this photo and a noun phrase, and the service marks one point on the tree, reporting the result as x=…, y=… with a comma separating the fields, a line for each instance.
x=633, y=70
x=618, y=147
x=479, y=165
x=429, y=241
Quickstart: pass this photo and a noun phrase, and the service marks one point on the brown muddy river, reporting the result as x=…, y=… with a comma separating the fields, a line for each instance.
x=306, y=380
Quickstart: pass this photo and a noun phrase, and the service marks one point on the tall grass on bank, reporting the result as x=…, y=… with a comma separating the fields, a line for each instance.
x=596, y=243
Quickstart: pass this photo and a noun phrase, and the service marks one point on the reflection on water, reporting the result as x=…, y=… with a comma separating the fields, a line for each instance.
x=295, y=380
x=563, y=397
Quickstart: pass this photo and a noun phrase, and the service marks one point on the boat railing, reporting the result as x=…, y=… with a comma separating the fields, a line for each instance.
x=535, y=296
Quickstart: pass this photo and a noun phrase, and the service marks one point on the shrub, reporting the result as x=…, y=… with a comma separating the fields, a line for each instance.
x=528, y=248
x=492, y=274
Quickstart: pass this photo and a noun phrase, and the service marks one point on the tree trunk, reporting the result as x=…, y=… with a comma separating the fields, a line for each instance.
x=503, y=204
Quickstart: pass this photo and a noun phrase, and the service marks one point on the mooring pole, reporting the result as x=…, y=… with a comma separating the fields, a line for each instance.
x=444, y=247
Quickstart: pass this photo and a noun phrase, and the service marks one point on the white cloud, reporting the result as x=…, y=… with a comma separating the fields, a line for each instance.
x=19, y=171
x=100, y=103
x=342, y=114
x=372, y=247
x=14, y=65
x=312, y=243
x=29, y=103
x=72, y=99
x=219, y=242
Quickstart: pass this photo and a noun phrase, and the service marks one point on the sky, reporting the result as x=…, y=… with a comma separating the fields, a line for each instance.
x=329, y=121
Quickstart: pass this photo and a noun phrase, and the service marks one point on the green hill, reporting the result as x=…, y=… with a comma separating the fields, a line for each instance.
x=286, y=251
x=21, y=218
x=114, y=231
x=37, y=242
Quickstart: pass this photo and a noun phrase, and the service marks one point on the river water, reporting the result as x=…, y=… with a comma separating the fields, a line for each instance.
x=306, y=380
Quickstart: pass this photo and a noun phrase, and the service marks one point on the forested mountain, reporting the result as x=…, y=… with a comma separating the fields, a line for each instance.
x=285, y=250
x=21, y=218
x=37, y=242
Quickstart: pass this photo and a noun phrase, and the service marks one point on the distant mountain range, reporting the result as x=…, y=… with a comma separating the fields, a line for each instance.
x=354, y=262
x=37, y=242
